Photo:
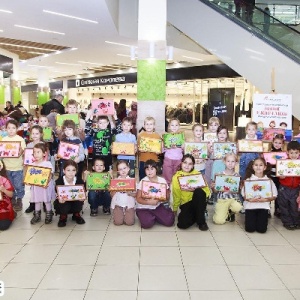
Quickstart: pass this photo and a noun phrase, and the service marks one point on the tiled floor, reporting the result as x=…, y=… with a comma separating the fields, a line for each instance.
x=101, y=261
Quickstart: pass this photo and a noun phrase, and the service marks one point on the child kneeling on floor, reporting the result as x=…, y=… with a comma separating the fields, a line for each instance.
x=227, y=202
x=152, y=210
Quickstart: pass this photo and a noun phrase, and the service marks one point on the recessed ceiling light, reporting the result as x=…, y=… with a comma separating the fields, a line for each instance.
x=39, y=29
x=90, y=63
x=1, y=30
x=119, y=44
x=62, y=63
x=69, y=16
x=38, y=66
x=194, y=58
x=6, y=11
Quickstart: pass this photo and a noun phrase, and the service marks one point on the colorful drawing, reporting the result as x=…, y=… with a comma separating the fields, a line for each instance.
x=227, y=183
x=154, y=190
x=67, y=150
x=119, y=184
x=272, y=157
x=47, y=134
x=38, y=176
x=98, y=181
x=198, y=150
x=270, y=133
x=191, y=182
x=221, y=149
x=28, y=156
x=210, y=137
x=150, y=145
x=70, y=193
x=288, y=167
x=172, y=140
x=250, y=146
x=258, y=189
x=10, y=149
x=61, y=118
x=123, y=148
x=103, y=106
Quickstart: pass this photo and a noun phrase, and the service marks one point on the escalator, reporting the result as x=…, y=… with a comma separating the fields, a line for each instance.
x=250, y=41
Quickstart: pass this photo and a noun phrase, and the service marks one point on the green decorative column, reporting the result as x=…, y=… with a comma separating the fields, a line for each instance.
x=2, y=95
x=16, y=95
x=43, y=95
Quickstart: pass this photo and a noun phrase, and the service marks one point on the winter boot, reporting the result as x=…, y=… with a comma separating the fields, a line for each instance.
x=49, y=216
x=36, y=217
x=30, y=208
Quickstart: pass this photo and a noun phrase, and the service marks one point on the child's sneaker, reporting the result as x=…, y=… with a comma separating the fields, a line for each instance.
x=94, y=212
x=106, y=210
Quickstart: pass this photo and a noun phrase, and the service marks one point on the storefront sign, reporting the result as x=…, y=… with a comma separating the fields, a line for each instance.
x=272, y=110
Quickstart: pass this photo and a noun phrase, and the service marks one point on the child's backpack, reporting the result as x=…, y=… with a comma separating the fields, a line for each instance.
x=7, y=213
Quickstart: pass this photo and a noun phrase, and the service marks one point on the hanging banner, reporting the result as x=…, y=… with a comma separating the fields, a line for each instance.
x=272, y=111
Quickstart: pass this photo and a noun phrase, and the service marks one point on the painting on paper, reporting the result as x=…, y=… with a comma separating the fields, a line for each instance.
x=98, y=181
x=258, y=188
x=61, y=118
x=47, y=134
x=272, y=157
x=173, y=140
x=197, y=150
x=67, y=150
x=191, y=182
x=288, y=167
x=210, y=137
x=123, y=148
x=154, y=190
x=227, y=183
x=10, y=149
x=70, y=193
x=103, y=106
x=221, y=149
x=147, y=144
x=38, y=176
x=119, y=184
x=270, y=133
x=250, y=146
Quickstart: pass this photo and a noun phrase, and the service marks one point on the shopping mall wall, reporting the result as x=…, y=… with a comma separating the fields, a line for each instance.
x=239, y=49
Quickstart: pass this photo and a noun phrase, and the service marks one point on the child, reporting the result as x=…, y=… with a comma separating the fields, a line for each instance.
x=69, y=135
x=14, y=166
x=247, y=157
x=69, y=207
x=198, y=130
x=288, y=193
x=256, y=209
x=149, y=132
x=277, y=144
x=97, y=198
x=150, y=211
x=213, y=125
x=127, y=137
x=102, y=138
x=192, y=204
x=7, y=191
x=173, y=156
x=227, y=202
x=123, y=203
x=39, y=194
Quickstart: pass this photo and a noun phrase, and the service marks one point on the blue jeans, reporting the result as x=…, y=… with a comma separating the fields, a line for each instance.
x=16, y=179
x=98, y=198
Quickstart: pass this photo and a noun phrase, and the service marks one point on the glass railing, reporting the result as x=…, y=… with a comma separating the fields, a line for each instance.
x=262, y=24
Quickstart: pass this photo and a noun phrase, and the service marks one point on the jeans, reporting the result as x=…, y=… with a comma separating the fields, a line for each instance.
x=16, y=179
x=98, y=198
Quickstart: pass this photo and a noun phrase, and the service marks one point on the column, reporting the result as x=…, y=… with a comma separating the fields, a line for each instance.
x=151, y=65
x=43, y=86
x=15, y=90
x=2, y=91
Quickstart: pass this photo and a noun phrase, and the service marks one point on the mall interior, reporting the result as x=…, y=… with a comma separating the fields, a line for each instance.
x=172, y=57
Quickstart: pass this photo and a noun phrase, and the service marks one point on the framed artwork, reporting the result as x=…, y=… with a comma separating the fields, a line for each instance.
x=67, y=150
x=120, y=184
x=70, y=193
x=288, y=167
x=197, y=150
x=38, y=176
x=47, y=134
x=250, y=146
x=154, y=190
x=191, y=182
x=210, y=137
x=61, y=118
x=10, y=149
x=123, y=148
x=103, y=106
x=28, y=156
x=227, y=183
x=272, y=157
x=270, y=133
x=221, y=149
x=147, y=144
x=98, y=181
x=173, y=139
x=258, y=188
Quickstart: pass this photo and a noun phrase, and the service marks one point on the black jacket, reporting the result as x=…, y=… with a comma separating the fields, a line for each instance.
x=52, y=104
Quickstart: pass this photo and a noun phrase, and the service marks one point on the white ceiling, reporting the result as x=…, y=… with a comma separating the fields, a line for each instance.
x=88, y=38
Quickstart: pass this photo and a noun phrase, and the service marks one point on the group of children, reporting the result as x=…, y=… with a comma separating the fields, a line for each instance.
x=124, y=205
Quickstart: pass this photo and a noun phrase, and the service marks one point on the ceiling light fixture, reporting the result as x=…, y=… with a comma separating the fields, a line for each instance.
x=38, y=66
x=23, y=46
x=119, y=44
x=124, y=55
x=90, y=63
x=6, y=11
x=1, y=30
x=62, y=63
x=194, y=58
x=39, y=29
x=69, y=16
